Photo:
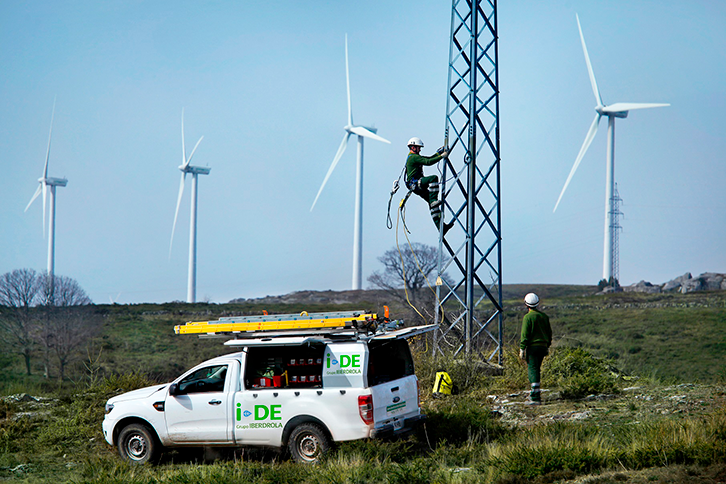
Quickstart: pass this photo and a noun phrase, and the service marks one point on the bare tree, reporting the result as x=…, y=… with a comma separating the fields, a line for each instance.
x=61, y=331
x=68, y=329
x=62, y=291
x=409, y=275
x=19, y=291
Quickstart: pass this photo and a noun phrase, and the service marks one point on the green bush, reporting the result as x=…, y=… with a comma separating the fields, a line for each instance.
x=577, y=373
x=456, y=420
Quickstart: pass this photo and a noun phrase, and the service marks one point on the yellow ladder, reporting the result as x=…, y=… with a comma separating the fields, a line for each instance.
x=280, y=322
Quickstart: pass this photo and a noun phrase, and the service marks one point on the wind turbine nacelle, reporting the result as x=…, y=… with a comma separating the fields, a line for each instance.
x=603, y=111
x=199, y=170
x=56, y=182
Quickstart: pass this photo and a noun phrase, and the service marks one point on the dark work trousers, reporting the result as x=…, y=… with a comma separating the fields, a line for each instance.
x=428, y=189
x=535, y=355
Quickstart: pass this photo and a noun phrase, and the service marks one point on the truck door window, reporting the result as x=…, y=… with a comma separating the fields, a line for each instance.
x=207, y=379
x=388, y=360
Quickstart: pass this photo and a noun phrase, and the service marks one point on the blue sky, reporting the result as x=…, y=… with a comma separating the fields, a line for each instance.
x=264, y=82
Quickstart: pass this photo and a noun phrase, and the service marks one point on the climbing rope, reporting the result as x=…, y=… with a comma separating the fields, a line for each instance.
x=401, y=217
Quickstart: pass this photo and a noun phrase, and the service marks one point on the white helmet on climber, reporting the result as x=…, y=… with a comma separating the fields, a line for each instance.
x=415, y=142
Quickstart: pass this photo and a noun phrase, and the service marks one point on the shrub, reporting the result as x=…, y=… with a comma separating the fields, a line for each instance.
x=458, y=420
x=578, y=373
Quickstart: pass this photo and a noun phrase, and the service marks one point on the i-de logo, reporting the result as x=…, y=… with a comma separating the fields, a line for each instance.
x=346, y=361
x=346, y=364
x=261, y=413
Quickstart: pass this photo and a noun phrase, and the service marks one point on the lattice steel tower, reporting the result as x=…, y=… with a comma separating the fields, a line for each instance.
x=469, y=297
x=615, y=202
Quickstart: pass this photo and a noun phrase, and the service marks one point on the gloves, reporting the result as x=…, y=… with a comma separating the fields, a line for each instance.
x=444, y=154
x=523, y=354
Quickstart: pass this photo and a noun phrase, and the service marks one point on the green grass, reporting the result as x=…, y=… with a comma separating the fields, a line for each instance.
x=674, y=337
x=462, y=441
x=474, y=436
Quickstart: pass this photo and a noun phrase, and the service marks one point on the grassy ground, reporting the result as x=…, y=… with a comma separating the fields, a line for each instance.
x=599, y=424
x=609, y=430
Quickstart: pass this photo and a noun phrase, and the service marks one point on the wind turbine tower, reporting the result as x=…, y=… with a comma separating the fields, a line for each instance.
x=362, y=132
x=186, y=169
x=49, y=184
x=612, y=111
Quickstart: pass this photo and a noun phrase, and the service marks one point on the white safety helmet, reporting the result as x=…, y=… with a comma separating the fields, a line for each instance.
x=531, y=300
x=415, y=142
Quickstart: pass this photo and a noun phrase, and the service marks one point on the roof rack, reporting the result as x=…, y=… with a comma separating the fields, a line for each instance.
x=328, y=323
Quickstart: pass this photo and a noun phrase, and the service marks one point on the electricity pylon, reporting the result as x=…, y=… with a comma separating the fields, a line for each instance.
x=469, y=297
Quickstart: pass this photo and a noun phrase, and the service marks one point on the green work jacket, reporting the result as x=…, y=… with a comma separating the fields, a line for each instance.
x=415, y=164
x=536, y=330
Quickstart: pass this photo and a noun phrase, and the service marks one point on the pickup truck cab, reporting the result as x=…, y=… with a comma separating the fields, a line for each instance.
x=301, y=393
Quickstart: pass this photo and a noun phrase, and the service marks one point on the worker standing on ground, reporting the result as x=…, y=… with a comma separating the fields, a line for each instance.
x=534, y=344
x=426, y=187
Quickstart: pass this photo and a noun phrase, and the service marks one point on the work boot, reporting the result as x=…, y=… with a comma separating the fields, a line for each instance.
x=448, y=226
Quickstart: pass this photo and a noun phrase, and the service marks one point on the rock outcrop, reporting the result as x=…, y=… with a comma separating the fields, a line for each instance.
x=643, y=286
x=708, y=281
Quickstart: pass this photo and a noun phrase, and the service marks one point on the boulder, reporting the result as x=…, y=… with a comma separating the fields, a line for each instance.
x=711, y=281
x=642, y=286
x=610, y=289
x=692, y=285
x=674, y=284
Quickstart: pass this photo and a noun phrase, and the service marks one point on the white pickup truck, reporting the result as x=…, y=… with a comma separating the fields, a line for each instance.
x=296, y=392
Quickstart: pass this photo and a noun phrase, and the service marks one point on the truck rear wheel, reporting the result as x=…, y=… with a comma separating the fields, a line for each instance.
x=137, y=444
x=308, y=442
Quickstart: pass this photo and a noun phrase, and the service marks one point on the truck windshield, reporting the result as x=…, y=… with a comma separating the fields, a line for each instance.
x=388, y=360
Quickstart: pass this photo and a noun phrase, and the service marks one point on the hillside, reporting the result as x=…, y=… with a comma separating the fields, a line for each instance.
x=672, y=336
x=651, y=409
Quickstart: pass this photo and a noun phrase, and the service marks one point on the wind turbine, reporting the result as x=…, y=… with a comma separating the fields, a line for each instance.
x=612, y=111
x=187, y=168
x=362, y=132
x=49, y=184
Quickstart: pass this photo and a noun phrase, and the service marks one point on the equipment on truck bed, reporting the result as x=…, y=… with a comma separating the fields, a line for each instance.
x=341, y=322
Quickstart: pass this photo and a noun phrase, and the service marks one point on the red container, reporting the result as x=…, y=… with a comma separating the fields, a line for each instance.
x=277, y=381
x=264, y=382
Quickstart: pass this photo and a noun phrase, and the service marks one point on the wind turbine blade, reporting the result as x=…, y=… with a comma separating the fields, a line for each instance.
x=347, y=82
x=50, y=135
x=595, y=90
x=366, y=133
x=45, y=191
x=588, y=140
x=341, y=150
x=189, y=160
x=37, y=192
x=620, y=107
x=184, y=150
x=176, y=213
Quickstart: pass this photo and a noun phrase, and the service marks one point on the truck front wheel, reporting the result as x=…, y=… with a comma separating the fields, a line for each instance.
x=137, y=444
x=308, y=442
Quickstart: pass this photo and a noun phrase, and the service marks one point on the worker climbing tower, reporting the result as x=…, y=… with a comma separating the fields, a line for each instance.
x=469, y=286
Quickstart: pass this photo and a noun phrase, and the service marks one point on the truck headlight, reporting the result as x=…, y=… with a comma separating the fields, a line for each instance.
x=109, y=407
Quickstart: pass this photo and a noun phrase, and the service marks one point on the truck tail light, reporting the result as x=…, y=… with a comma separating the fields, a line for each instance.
x=365, y=407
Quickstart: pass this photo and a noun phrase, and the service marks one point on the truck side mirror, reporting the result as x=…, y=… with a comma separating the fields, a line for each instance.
x=174, y=389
